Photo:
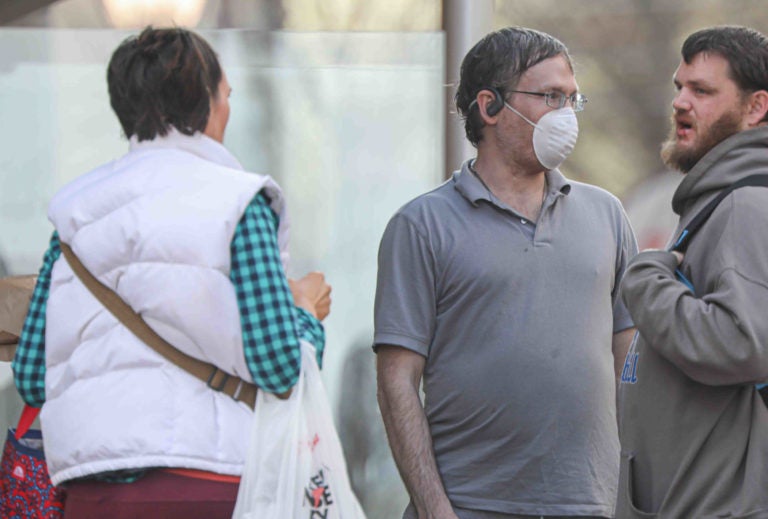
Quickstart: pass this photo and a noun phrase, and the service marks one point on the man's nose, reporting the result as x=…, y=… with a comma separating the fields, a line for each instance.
x=681, y=102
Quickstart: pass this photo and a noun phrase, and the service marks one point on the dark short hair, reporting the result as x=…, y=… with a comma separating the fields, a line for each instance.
x=163, y=78
x=498, y=60
x=745, y=50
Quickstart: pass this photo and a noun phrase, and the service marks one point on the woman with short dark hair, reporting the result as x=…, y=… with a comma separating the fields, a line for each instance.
x=197, y=247
x=163, y=79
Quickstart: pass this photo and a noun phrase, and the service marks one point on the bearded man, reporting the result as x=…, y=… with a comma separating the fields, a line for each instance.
x=694, y=430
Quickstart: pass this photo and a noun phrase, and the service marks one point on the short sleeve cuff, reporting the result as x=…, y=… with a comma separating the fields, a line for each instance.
x=404, y=341
x=621, y=323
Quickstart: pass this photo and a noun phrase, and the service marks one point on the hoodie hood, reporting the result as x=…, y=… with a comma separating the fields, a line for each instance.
x=738, y=156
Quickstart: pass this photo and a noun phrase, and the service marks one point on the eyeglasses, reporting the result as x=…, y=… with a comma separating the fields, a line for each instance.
x=558, y=99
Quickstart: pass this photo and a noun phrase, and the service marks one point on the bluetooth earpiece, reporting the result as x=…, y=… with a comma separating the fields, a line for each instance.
x=497, y=104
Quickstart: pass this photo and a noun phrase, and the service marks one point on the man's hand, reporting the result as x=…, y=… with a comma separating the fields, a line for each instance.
x=312, y=294
x=679, y=256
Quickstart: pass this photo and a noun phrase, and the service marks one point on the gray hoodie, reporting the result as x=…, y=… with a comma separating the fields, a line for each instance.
x=694, y=431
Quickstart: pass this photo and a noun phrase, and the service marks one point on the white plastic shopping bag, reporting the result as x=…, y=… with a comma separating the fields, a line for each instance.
x=295, y=467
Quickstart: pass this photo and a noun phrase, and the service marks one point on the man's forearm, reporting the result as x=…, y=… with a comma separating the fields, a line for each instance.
x=411, y=445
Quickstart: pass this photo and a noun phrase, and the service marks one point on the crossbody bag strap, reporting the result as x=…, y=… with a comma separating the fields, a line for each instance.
x=681, y=244
x=214, y=378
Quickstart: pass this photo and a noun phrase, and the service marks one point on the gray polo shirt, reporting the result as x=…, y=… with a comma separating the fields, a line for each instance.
x=515, y=320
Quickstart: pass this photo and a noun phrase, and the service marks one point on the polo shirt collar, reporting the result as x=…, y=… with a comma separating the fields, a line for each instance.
x=197, y=144
x=557, y=183
x=473, y=189
x=469, y=185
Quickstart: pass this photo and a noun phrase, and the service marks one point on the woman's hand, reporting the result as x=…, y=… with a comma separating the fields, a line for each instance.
x=312, y=294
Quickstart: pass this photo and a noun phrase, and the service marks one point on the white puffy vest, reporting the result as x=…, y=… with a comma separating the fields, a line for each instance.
x=156, y=227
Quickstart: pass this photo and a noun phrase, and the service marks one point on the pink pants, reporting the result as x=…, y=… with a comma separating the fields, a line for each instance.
x=157, y=495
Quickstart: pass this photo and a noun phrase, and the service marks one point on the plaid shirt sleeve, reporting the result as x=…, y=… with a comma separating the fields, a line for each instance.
x=29, y=363
x=272, y=325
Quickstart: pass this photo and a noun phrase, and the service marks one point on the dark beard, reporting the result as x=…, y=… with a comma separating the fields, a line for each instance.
x=685, y=159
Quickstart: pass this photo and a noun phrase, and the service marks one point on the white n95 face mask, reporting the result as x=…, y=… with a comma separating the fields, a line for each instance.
x=554, y=136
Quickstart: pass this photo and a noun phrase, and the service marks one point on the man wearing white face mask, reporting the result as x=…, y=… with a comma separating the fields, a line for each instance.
x=499, y=289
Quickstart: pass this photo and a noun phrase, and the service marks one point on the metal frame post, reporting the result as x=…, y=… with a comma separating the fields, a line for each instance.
x=464, y=23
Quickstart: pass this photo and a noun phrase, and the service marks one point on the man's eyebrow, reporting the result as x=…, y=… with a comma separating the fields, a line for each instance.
x=695, y=83
x=549, y=87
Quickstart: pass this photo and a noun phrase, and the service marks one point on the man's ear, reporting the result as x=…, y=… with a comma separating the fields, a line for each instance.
x=488, y=106
x=757, y=107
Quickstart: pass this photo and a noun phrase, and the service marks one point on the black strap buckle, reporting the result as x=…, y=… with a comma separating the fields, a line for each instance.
x=220, y=386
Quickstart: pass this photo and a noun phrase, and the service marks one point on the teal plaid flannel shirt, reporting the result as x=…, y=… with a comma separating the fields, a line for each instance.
x=272, y=325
